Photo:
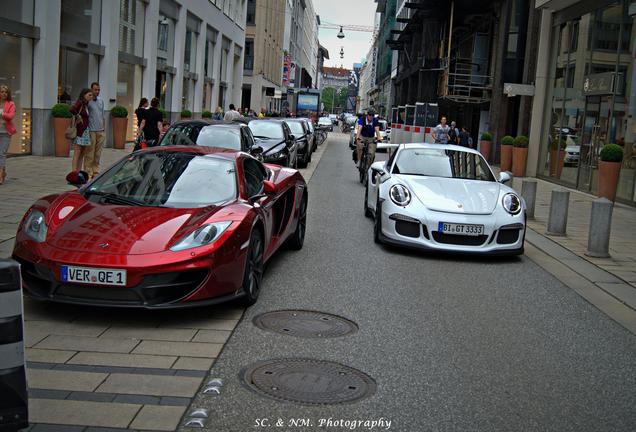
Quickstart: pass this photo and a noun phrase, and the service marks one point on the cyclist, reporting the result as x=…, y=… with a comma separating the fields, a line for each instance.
x=367, y=129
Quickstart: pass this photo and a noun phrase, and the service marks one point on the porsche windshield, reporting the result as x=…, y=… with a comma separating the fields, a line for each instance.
x=433, y=162
x=168, y=179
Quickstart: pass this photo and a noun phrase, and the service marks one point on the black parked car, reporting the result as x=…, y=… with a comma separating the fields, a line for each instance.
x=312, y=131
x=214, y=133
x=277, y=141
x=300, y=129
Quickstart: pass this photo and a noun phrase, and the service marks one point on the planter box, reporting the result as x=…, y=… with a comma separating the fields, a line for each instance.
x=506, y=158
x=62, y=144
x=608, y=174
x=485, y=149
x=120, y=126
x=519, y=157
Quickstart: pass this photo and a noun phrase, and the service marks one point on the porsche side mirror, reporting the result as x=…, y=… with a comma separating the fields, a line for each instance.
x=269, y=187
x=505, y=177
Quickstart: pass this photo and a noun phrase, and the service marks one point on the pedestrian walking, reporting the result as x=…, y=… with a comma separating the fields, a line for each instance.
x=140, y=112
x=7, y=128
x=96, y=131
x=232, y=114
x=440, y=132
x=152, y=123
x=83, y=139
x=464, y=138
x=218, y=114
x=453, y=134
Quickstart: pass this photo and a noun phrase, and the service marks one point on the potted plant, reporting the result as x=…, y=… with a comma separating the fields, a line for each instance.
x=557, y=156
x=519, y=155
x=120, y=126
x=186, y=114
x=61, y=121
x=485, y=145
x=164, y=114
x=506, y=153
x=206, y=114
x=609, y=168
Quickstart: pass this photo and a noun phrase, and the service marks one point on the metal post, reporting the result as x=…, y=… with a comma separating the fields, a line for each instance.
x=558, y=219
x=529, y=195
x=600, y=227
x=13, y=388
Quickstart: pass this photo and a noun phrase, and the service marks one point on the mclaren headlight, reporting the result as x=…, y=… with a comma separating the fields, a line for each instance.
x=511, y=203
x=201, y=236
x=400, y=195
x=35, y=227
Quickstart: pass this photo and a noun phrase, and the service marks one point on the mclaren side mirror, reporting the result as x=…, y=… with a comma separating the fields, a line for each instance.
x=77, y=178
x=269, y=187
x=505, y=177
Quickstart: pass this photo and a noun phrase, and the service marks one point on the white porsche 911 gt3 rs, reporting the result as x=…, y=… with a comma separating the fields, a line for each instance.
x=444, y=197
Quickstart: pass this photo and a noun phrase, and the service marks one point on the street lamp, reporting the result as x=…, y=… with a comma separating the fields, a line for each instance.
x=340, y=34
x=341, y=52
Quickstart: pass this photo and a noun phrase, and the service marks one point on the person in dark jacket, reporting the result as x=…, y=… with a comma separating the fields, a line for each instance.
x=83, y=139
x=152, y=123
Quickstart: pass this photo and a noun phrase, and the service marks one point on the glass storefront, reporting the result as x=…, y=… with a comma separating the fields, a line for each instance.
x=16, y=71
x=593, y=100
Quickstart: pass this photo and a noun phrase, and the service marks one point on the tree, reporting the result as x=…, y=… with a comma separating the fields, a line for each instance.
x=333, y=99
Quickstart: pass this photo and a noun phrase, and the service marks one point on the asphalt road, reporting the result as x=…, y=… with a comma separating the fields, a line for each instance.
x=454, y=344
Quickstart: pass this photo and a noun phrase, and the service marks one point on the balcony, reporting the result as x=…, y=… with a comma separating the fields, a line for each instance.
x=464, y=81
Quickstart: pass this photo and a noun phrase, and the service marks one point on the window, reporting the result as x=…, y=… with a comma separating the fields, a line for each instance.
x=251, y=12
x=188, y=57
x=127, y=21
x=254, y=176
x=249, y=55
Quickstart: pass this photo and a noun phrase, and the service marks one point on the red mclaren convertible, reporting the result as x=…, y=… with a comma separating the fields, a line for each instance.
x=163, y=228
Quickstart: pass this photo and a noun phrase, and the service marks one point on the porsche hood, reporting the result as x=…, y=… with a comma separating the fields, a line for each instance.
x=454, y=195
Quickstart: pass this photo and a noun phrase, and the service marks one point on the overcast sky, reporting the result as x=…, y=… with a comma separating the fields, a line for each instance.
x=345, y=12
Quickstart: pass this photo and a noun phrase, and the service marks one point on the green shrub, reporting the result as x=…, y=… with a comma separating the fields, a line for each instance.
x=486, y=136
x=206, y=114
x=612, y=153
x=521, y=141
x=164, y=113
x=507, y=140
x=61, y=110
x=186, y=114
x=119, y=111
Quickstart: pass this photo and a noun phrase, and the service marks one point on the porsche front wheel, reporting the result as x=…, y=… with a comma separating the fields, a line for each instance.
x=253, y=269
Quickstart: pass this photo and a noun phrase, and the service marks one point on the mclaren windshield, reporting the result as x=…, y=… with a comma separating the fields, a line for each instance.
x=167, y=179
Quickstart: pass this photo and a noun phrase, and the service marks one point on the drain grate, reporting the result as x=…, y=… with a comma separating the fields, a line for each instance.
x=309, y=381
x=304, y=323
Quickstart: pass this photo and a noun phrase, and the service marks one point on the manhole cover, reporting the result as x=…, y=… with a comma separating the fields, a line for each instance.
x=303, y=323
x=307, y=381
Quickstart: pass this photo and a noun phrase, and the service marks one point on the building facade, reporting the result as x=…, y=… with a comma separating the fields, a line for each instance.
x=264, y=55
x=382, y=93
x=187, y=53
x=585, y=92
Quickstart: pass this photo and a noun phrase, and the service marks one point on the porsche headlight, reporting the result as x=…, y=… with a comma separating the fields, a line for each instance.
x=35, y=227
x=511, y=203
x=400, y=195
x=201, y=236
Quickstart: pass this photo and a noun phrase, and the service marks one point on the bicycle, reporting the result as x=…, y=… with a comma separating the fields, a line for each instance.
x=365, y=163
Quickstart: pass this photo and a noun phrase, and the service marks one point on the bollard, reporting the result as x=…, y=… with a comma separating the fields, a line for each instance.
x=13, y=387
x=558, y=219
x=529, y=195
x=600, y=227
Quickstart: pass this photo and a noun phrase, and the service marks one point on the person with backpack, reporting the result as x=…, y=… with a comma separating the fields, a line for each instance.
x=367, y=128
x=152, y=123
